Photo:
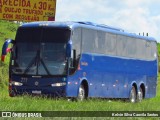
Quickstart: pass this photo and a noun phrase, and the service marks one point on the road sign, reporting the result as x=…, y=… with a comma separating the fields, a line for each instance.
x=28, y=10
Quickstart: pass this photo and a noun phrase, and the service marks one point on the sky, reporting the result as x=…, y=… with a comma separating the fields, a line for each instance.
x=134, y=16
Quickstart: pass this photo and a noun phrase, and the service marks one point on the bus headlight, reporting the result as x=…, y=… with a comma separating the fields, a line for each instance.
x=58, y=84
x=16, y=83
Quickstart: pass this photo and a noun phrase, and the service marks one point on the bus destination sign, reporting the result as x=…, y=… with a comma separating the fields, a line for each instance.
x=28, y=10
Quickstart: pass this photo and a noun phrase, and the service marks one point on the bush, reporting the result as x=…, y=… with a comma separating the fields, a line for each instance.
x=3, y=75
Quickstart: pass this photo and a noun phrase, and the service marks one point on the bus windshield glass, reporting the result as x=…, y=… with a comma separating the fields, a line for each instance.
x=40, y=51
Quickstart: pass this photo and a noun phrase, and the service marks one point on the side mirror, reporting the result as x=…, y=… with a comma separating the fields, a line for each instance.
x=68, y=49
x=72, y=62
x=5, y=48
x=73, y=59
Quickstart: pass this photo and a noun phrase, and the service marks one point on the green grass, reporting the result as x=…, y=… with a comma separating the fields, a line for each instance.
x=7, y=30
x=29, y=103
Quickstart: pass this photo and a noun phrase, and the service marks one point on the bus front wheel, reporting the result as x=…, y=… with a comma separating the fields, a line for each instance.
x=133, y=95
x=81, y=93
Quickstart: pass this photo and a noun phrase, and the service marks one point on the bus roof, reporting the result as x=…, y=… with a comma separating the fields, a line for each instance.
x=89, y=25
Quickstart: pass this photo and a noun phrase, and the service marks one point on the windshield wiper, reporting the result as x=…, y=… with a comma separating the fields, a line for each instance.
x=36, y=60
x=45, y=67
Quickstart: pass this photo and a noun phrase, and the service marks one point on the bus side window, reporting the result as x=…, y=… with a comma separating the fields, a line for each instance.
x=110, y=44
x=131, y=47
x=121, y=46
x=154, y=50
x=76, y=40
x=99, y=42
x=141, y=49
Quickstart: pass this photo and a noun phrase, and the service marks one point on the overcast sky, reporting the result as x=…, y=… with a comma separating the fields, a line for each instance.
x=135, y=16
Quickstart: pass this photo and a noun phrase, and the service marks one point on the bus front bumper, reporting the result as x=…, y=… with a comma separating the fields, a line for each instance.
x=37, y=91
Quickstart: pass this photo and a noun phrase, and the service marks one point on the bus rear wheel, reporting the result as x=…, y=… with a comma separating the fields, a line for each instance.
x=132, y=97
x=140, y=95
x=81, y=93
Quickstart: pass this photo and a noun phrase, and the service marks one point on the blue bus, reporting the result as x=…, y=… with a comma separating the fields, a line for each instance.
x=81, y=60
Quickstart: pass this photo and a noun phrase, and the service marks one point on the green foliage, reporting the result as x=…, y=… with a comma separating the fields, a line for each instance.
x=158, y=47
x=7, y=30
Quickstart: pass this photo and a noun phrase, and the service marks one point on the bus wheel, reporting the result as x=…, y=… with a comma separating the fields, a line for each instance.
x=81, y=93
x=12, y=93
x=132, y=97
x=140, y=95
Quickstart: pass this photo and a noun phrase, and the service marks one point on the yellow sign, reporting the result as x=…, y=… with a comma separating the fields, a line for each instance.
x=28, y=10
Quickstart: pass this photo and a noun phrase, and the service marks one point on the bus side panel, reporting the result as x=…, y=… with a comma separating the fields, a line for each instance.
x=73, y=84
x=112, y=77
x=151, y=87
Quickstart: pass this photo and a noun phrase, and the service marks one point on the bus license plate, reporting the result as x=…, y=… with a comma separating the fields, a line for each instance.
x=36, y=92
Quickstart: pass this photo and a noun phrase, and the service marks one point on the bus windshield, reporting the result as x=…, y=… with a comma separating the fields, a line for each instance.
x=40, y=51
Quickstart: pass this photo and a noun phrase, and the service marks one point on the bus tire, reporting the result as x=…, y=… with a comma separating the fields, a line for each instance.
x=133, y=96
x=81, y=93
x=140, y=95
x=12, y=93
